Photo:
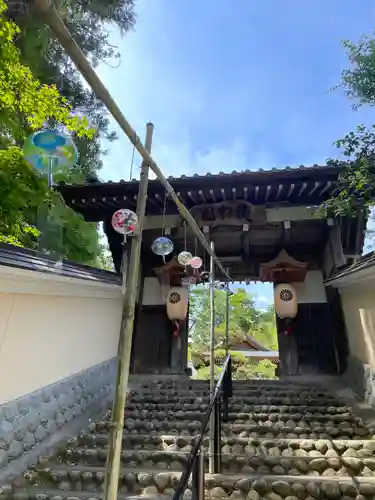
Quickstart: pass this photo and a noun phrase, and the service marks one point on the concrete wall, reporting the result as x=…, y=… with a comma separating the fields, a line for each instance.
x=358, y=306
x=358, y=303
x=152, y=292
x=58, y=342
x=312, y=290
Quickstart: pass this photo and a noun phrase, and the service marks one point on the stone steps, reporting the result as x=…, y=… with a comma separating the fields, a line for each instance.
x=288, y=429
x=251, y=384
x=311, y=463
x=239, y=394
x=234, y=445
x=260, y=400
x=242, y=417
x=145, y=482
x=283, y=441
x=280, y=409
x=53, y=494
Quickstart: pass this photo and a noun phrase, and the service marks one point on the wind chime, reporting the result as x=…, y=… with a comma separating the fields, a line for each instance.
x=48, y=151
x=163, y=246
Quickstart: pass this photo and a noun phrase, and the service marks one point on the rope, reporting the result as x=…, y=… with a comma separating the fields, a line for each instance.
x=131, y=165
x=164, y=210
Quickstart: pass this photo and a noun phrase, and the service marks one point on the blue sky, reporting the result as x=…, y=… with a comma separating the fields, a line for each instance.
x=233, y=86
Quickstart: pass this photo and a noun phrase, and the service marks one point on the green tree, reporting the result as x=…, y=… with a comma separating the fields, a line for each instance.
x=89, y=23
x=27, y=104
x=356, y=187
x=36, y=73
x=244, y=320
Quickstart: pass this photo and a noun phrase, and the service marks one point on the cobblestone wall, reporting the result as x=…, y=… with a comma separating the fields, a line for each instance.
x=361, y=378
x=29, y=420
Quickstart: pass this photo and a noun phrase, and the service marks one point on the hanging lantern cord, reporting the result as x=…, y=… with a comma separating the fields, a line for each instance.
x=163, y=220
x=131, y=165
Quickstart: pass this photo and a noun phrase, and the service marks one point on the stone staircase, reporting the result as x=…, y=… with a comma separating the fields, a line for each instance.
x=283, y=441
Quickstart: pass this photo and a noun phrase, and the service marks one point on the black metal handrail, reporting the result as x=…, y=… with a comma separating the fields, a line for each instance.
x=219, y=402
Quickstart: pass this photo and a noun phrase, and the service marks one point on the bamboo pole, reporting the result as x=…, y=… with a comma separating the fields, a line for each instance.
x=54, y=21
x=125, y=339
x=211, y=458
x=227, y=320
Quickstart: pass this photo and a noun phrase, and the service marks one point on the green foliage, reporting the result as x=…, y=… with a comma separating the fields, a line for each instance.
x=25, y=198
x=23, y=97
x=21, y=193
x=39, y=86
x=356, y=185
x=245, y=319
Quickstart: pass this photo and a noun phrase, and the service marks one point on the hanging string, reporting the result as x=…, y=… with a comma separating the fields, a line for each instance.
x=163, y=220
x=131, y=165
x=164, y=210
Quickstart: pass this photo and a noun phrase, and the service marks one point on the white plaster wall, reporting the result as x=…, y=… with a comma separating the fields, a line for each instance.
x=152, y=292
x=358, y=305
x=53, y=327
x=312, y=290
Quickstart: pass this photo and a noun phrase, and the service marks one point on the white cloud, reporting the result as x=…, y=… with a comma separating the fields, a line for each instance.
x=263, y=300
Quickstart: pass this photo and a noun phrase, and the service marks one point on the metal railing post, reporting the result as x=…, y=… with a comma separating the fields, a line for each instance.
x=198, y=476
x=217, y=437
x=211, y=430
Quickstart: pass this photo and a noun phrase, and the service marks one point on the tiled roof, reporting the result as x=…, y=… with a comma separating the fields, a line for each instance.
x=365, y=262
x=302, y=169
x=30, y=260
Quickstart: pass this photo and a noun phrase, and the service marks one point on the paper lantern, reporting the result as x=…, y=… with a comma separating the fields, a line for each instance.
x=286, y=304
x=162, y=246
x=124, y=221
x=177, y=303
x=184, y=258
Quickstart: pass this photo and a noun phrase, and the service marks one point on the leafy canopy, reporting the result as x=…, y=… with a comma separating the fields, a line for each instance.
x=244, y=318
x=22, y=97
x=357, y=184
x=26, y=104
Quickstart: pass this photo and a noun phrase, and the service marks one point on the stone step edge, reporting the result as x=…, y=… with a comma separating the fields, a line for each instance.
x=38, y=492
x=128, y=453
x=139, y=422
x=236, y=390
x=161, y=415
x=235, y=476
x=236, y=394
x=262, y=408
x=237, y=439
x=235, y=400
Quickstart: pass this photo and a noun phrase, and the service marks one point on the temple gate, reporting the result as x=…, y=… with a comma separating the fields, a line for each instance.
x=266, y=226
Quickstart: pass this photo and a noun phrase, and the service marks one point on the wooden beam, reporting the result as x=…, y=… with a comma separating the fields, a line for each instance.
x=303, y=187
x=202, y=196
x=290, y=191
x=327, y=185
x=279, y=189
x=312, y=191
x=273, y=215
